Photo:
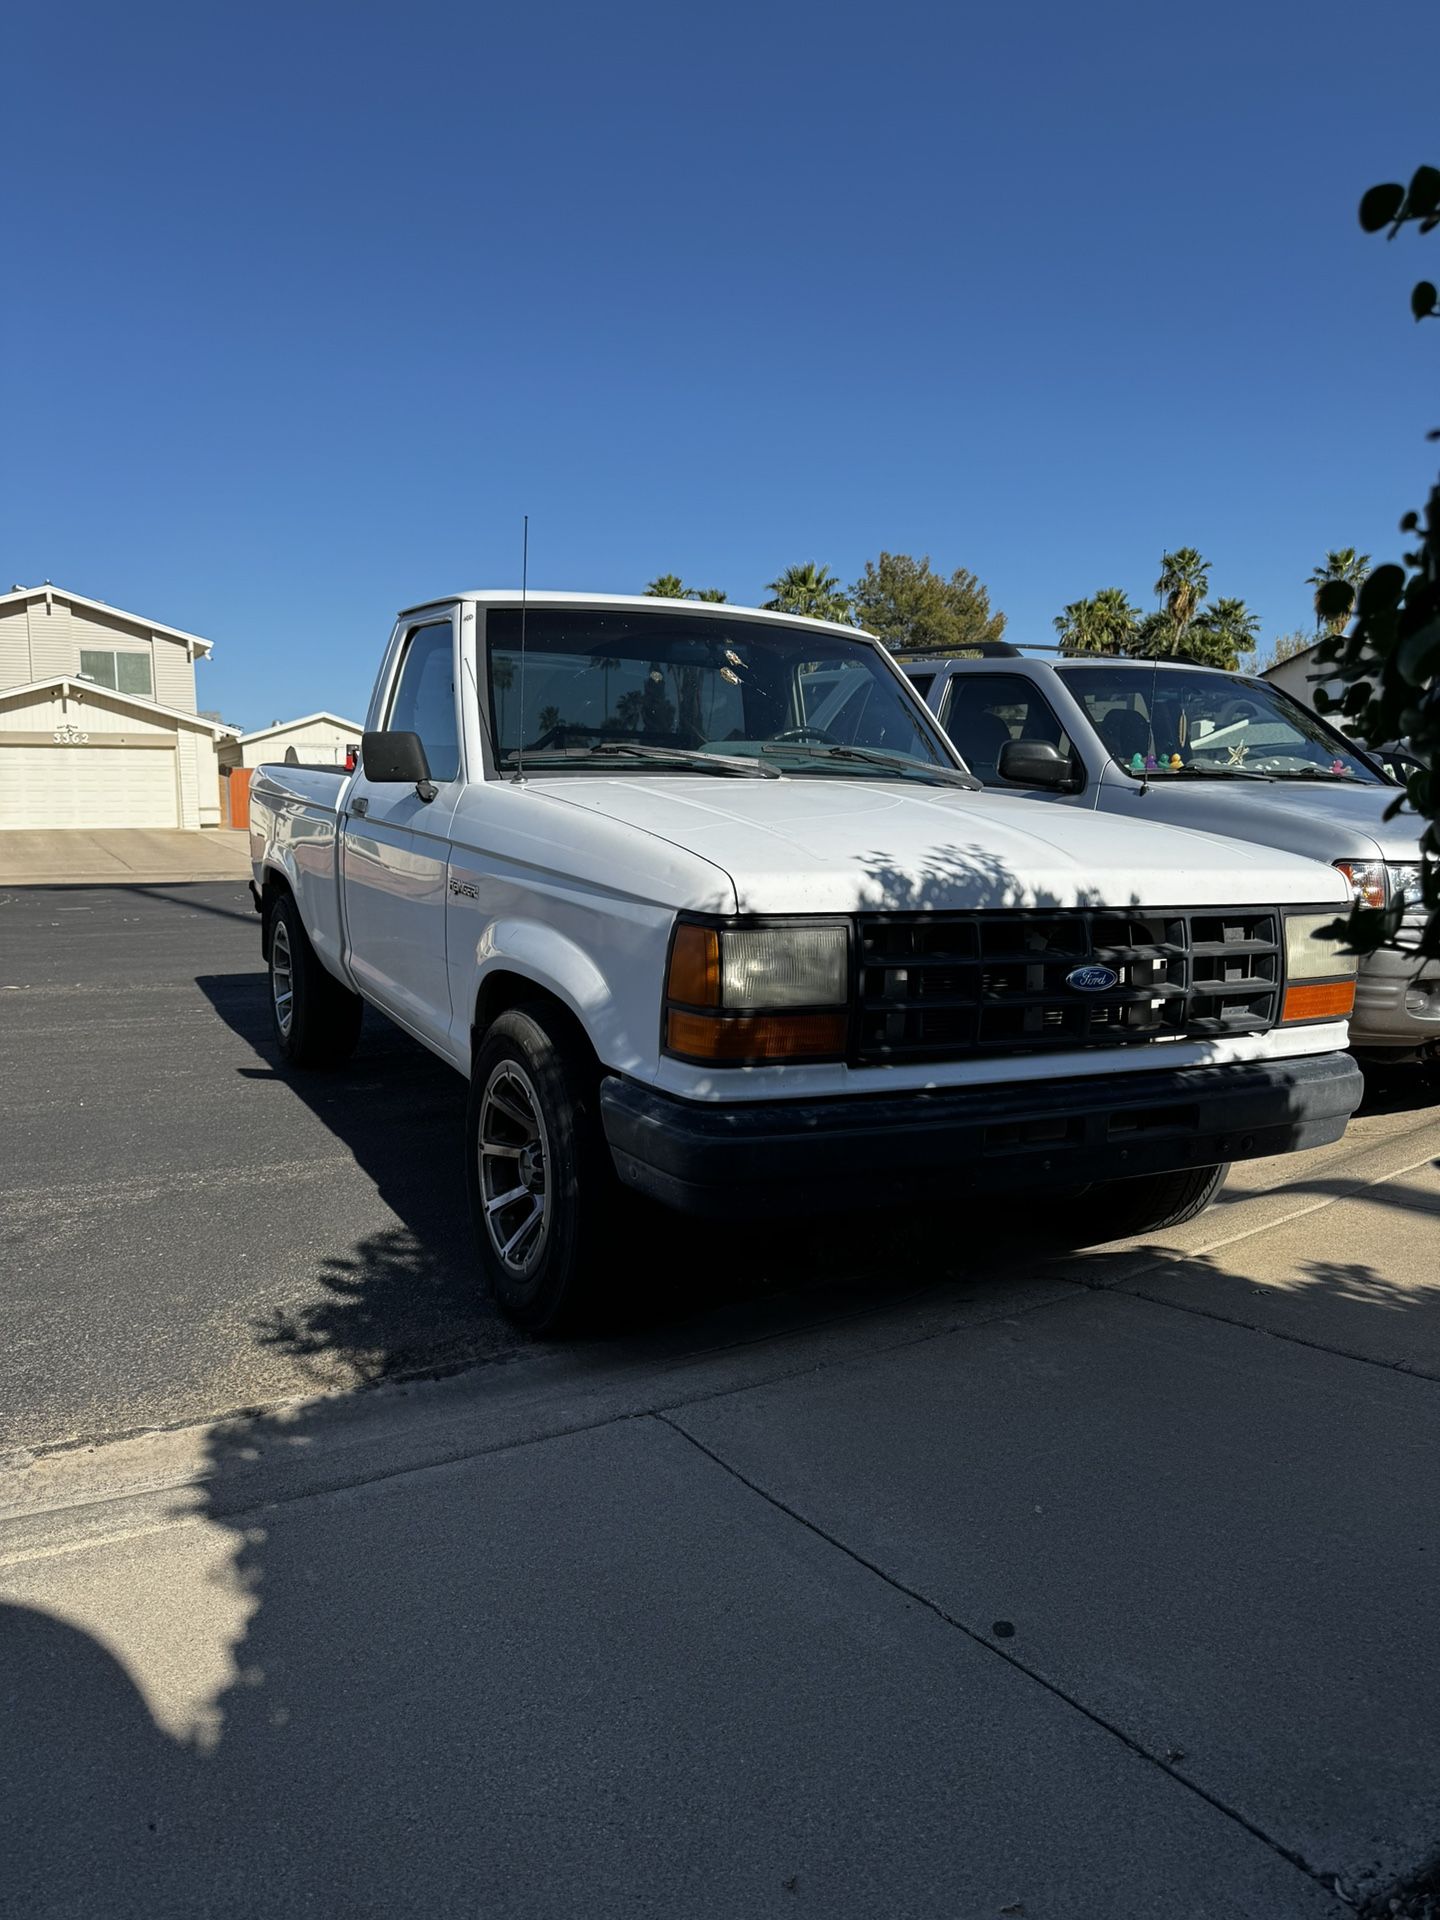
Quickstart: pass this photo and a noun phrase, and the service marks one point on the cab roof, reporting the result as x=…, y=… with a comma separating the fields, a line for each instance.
x=636, y=602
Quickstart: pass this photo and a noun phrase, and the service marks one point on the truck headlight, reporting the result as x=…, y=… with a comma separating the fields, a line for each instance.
x=1319, y=974
x=745, y=995
x=1367, y=880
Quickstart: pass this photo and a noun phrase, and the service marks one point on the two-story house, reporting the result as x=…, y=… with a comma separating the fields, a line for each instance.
x=98, y=726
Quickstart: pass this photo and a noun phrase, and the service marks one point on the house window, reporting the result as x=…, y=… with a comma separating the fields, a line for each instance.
x=121, y=672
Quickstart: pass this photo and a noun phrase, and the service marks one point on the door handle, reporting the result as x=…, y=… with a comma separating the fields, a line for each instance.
x=360, y=805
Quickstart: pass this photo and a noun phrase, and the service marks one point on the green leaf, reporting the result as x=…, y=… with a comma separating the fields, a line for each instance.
x=1382, y=590
x=1418, y=655
x=1422, y=299
x=1380, y=205
x=1424, y=194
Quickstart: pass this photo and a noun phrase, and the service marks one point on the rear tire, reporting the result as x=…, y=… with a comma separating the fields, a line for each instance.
x=316, y=1020
x=1119, y=1209
x=543, y=1191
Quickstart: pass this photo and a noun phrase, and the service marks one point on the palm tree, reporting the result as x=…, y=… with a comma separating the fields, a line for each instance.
x=1220, y=634
x=669, y=586
x=1347, y=568
x=1103, y=624
x=607, y=666
x=1184, y=582
x=502, y=672
x=811, y=591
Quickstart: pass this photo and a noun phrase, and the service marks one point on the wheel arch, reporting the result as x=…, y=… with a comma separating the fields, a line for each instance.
x=504, y=988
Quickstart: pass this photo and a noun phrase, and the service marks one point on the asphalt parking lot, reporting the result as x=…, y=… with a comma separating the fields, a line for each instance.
x=886, y=1569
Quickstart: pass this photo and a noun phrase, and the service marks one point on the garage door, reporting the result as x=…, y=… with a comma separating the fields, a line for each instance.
x=87, y=787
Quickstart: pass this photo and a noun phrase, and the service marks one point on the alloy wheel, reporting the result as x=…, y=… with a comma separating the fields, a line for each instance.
x=513, y=1150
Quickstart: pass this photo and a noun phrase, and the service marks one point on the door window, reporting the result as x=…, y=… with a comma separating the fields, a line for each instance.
x=424, y=698
x=985, y=711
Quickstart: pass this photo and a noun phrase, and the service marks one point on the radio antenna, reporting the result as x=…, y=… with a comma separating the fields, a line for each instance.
x=524, y=592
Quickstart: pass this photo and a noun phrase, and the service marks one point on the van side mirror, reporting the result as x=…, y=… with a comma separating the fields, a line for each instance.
x=1035, y=763
x=396, y=759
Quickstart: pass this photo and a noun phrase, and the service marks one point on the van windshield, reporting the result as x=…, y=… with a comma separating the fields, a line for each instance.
x=598, y=685
x=1174, y=720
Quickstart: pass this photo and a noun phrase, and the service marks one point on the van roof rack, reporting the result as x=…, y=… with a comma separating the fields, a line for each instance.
x=978, y=650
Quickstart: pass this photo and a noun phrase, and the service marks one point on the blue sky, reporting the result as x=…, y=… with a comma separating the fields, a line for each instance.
x=306, y=304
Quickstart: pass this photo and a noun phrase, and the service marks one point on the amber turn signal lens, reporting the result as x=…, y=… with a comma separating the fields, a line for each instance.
x=1327, y=1000
x=695, y=967
x=755, y=1036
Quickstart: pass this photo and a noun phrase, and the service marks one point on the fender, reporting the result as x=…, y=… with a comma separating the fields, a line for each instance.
x=560, y=966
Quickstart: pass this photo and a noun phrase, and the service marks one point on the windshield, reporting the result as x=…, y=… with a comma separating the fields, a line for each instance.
x=1175, y=720
x=601, y=686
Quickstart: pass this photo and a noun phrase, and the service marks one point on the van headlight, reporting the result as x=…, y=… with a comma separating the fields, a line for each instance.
x=1405, y=886
x=1319, y=974
x=763, y=992
x=1367, y=880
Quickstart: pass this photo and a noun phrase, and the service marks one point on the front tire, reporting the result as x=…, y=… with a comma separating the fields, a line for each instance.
x=543, y=1190
x=1120, y=1209
x=316, y=1021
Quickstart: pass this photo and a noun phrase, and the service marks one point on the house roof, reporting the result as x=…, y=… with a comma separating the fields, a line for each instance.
x=18, y=596
x=1290, y=658
x=290, y=726
x=91, y=689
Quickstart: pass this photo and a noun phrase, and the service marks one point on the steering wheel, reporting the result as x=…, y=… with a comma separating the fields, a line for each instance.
x=805, y=733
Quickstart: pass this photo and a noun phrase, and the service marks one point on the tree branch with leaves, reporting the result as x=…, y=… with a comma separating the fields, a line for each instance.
x=1385, y=633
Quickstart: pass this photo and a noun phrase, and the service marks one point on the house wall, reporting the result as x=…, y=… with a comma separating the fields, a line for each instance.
x=1294, y=676
x=36, y=642
x=321, y=741
x=15, y=647
x=207, y=778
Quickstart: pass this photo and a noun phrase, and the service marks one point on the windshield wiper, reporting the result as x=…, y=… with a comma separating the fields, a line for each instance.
x=1318, y=773
x=876, y=757
x=693, y=761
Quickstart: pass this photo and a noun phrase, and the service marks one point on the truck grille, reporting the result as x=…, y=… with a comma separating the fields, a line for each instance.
x=937, y=985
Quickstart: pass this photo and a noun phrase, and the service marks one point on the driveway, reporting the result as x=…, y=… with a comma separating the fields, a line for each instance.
x=74, y=857
x=873, y=1568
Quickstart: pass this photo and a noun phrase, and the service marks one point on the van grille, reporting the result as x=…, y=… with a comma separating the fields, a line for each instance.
x=934, y=986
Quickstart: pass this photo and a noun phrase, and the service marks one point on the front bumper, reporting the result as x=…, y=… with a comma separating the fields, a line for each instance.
x=1397, y=1001
x=803, y=1156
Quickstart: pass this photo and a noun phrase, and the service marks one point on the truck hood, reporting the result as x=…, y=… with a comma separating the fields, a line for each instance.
x=1339, y=822
x=827, y=845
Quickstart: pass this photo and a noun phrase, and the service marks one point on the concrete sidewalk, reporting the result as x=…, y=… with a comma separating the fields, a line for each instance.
x=74, y=857
x=1102, y=1590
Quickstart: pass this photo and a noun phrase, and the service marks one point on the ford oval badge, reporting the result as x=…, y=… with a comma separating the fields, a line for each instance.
x=1092, y=979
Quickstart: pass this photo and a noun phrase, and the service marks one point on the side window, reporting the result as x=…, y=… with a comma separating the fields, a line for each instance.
x=985, y=711
x=852, y=706
x=423, y=701
x=922, y=683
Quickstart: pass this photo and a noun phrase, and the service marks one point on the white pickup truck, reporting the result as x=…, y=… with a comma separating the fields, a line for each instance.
x=706, y=907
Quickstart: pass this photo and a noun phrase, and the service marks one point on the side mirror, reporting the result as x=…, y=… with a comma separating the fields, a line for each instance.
x=396, y=759
x=1034, y=763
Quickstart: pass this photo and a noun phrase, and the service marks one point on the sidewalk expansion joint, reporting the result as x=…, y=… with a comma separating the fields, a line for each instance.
x=1324, y=1880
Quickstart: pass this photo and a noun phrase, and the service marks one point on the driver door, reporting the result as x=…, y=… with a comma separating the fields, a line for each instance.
x=395, y=846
